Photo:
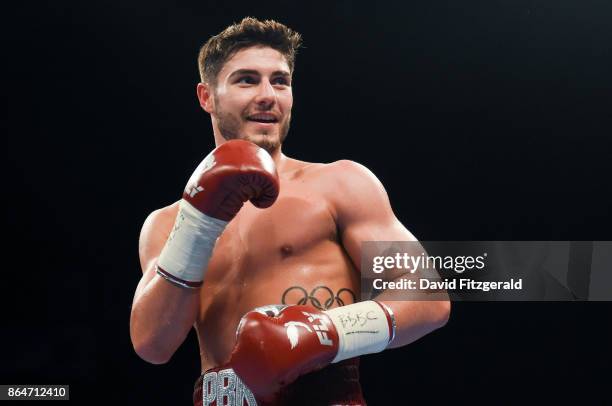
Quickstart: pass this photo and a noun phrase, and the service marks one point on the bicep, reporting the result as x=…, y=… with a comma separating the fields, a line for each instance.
x=376, y=228
x=364, y=213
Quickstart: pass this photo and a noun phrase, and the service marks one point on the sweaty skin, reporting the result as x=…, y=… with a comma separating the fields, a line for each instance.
x=310, y=237
x=265, y=252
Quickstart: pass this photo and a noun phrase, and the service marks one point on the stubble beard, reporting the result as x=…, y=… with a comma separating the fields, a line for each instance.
x=229, y=127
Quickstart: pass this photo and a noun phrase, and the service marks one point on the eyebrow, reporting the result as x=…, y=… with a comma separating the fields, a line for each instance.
x=254, y=72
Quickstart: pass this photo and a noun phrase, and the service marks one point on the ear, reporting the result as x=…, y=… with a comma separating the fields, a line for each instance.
x=205, y=96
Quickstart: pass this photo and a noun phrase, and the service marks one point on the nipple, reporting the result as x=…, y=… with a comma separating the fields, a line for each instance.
x=286, y=250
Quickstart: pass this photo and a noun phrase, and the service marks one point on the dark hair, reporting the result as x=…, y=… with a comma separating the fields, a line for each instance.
x=248, y=32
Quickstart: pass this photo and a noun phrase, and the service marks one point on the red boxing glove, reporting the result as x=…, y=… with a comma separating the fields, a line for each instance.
x=230, y=175
x=274, y=350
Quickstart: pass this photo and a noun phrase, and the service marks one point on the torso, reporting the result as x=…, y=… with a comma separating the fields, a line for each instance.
x=277, y=255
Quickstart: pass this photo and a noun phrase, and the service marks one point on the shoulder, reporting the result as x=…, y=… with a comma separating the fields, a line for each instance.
x=352, y=190
x=339, y=181
x=155, y=232
x=161, y=217
x=351, y=177
x=342, y=167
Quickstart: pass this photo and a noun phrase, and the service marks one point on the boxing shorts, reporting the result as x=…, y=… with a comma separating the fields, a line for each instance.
x=337, y=384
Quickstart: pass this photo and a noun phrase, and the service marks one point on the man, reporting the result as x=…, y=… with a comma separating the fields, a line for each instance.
x=256, y=229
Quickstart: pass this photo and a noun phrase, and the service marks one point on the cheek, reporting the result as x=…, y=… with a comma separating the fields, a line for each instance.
x=286, y=101
x=233, y=104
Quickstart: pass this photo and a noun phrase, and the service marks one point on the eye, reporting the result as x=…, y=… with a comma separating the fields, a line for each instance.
x=246, y=80
x=281, y=80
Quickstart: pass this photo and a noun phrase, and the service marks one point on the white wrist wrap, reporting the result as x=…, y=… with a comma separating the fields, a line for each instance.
x=363, y=328
x=185, y=256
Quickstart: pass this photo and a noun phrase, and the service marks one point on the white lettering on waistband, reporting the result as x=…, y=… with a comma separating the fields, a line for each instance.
x=225, y=388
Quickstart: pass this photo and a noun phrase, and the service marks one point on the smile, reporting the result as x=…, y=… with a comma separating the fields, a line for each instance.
x=263, y=118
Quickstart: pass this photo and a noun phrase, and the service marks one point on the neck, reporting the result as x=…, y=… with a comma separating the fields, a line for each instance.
x=278, y=157
x=282, y=162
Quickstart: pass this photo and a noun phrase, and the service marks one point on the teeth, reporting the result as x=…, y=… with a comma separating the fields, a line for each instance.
x=263, y=118
x=266, y=119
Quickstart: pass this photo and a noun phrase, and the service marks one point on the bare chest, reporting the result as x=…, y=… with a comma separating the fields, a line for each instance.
x=298, y=222
x=287, y=253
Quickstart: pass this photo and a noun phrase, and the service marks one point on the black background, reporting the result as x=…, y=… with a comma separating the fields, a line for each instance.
x=484, y=120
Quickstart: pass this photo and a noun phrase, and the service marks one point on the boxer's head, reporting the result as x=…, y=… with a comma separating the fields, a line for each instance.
x=246, y=73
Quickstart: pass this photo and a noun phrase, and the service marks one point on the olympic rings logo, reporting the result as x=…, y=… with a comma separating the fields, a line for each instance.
x=305, y=298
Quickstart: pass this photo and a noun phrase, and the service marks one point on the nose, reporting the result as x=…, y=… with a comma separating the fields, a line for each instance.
x=266, y=96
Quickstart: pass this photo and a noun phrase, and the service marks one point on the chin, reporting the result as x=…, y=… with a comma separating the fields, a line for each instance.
x=268, y=142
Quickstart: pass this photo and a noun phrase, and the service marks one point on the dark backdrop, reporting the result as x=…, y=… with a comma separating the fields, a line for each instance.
x=485, y=120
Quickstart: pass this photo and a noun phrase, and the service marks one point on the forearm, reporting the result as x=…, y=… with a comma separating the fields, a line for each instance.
x=415, y=319
x=162, y=315
x=417, y=312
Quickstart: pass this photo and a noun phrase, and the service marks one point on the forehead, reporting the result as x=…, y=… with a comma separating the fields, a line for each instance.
x=259, y=58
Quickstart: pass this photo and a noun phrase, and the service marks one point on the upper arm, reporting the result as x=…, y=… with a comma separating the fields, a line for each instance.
x=363, y=213
x=153, y=236
x=362, y=209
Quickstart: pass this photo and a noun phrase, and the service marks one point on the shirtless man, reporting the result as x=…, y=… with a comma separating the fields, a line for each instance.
x=256, y=228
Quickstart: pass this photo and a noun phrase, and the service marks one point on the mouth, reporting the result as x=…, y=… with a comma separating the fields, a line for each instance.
x=263, y=118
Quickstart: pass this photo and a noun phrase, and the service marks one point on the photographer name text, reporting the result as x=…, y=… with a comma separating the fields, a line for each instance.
x=448, y=284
